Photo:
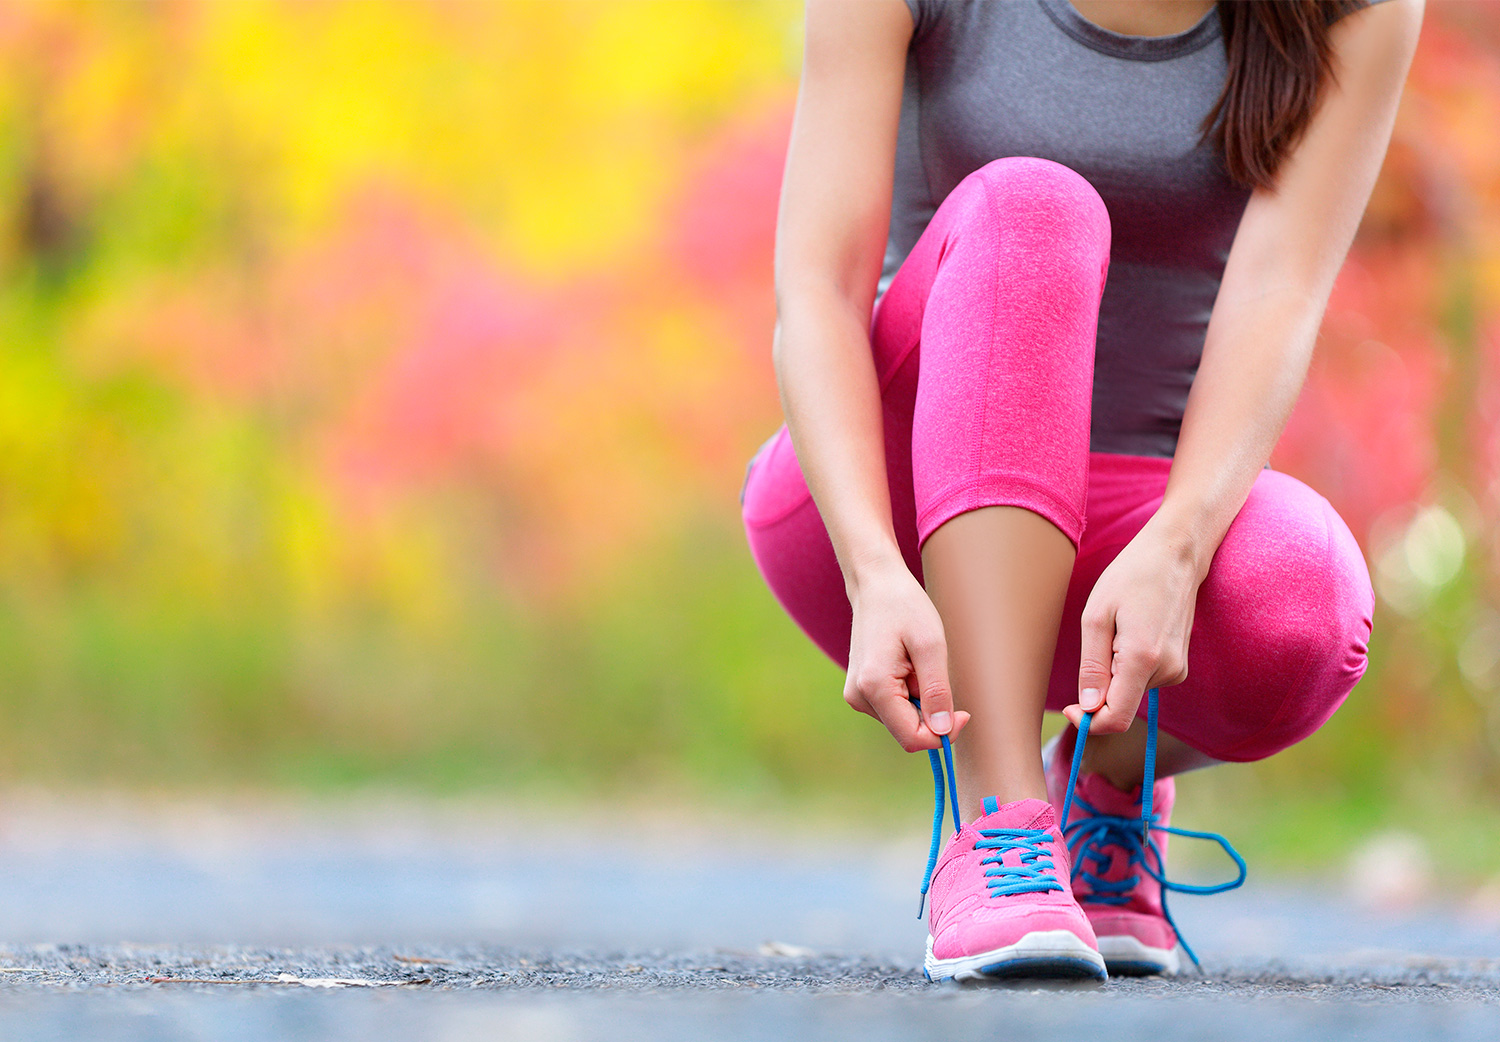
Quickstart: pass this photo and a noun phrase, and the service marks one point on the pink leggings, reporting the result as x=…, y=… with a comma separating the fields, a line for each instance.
x=984, y=348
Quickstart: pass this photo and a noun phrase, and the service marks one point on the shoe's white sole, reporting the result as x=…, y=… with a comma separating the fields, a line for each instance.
x=1041, y=953
x=1126, y=956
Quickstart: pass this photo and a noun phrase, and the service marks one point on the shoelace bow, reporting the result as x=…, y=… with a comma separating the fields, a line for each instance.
x=1090, y=836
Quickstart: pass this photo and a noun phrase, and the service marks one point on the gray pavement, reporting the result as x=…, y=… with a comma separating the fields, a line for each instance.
x=385, y=919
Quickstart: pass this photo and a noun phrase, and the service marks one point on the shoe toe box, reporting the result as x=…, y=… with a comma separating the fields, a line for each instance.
x=998, y=923
x=1153, y=931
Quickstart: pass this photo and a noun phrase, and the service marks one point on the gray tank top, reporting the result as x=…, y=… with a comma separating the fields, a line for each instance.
x=992, y=78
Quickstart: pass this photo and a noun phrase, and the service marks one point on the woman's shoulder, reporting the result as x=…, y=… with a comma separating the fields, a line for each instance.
x=924, y=13
x=929, y=16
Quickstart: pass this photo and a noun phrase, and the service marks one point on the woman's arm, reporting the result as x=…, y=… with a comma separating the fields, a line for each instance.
x=831, y=233
x=1288, y=250
x=1286, y=255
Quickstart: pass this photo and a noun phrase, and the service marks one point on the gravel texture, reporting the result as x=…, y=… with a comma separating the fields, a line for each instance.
x=400, y=922
x=437, y=968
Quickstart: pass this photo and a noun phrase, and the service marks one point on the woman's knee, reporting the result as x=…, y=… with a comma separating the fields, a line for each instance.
x=1029, y=179
x=1046, y=201
x=1297, y=581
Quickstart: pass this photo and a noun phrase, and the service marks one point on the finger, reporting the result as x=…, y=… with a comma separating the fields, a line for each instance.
x=923, y=737
x=1180, y=647
x=929, y=659
x=959, y=716
x=1095, y=662
x=857, y=702
x=902, y=719
x=1133, y=668
x=854, y=698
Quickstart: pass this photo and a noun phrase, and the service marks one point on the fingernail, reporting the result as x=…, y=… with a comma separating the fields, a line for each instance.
x=1090, y=698
x=942, y=723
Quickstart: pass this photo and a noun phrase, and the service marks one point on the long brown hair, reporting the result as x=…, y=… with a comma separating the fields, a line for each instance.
x=1279, y=57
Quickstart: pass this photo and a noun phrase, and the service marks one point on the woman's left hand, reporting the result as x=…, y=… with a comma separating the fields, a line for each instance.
x=1135, y=628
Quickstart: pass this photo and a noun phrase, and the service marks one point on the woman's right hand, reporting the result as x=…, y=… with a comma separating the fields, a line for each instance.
x=831, y=224
x=896, y=650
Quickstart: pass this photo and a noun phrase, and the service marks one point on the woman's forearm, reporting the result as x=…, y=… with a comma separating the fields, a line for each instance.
x=831, y=398
x=1254, y=362
x=1287, y=252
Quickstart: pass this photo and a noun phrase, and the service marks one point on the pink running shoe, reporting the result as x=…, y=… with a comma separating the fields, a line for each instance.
x=1123, y=903
x=1117, y=843
x=1002, y=905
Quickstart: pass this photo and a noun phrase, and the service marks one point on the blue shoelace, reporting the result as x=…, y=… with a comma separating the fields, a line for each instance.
x=1034, y=874
x=1091, y=836
x=938, y=763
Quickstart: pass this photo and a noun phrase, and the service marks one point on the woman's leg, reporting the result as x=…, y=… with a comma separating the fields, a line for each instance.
x=1003, y=418
x=984, y=346
x=997, y=576
x=1121, y=758
x=1280, y=633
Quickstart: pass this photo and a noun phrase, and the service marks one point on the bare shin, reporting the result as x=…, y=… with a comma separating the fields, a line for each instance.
x=998, y=577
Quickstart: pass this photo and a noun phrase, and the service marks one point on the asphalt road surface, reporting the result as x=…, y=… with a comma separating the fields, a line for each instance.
x=382, y=920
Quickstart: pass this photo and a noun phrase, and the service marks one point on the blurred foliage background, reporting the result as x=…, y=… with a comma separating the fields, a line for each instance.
x=377, y=381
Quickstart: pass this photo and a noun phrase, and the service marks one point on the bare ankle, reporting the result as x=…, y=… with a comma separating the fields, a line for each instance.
x=1118, y=759
x=1022, y=785
x=1123, y=778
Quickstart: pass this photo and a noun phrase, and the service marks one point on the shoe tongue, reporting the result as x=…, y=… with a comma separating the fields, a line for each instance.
x=1018, y=814
x=1107, y=799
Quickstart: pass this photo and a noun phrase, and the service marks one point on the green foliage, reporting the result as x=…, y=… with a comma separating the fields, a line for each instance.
x=376, y=379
